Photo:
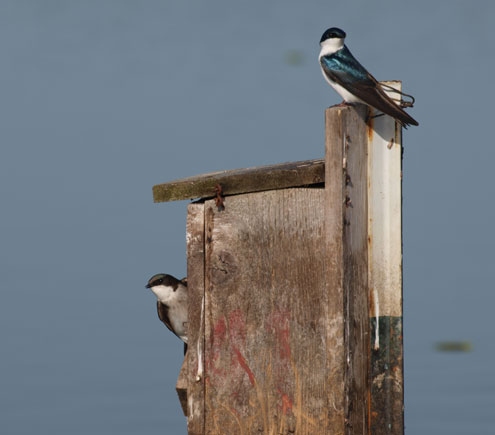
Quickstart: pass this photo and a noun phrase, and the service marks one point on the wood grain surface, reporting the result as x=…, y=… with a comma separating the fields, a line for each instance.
x=269, y=353
x=279, y=176
x=347, y=231
x=195, y=286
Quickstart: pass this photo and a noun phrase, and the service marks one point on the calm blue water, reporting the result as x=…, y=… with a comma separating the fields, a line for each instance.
x=102, y=99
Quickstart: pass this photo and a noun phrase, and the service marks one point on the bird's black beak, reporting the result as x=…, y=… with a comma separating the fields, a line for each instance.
x=148, y=286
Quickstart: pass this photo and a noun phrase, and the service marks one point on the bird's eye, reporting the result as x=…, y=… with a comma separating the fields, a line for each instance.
x=160, y=281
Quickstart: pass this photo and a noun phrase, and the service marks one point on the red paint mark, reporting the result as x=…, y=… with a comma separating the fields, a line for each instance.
x=237, y=328
x=286, y=404
x=278, y=323
x=217, y=338
x=227, y=344
x=277, y=326
x=237, y=338
x=244, y=365
x=219, y=330
x=213, y=360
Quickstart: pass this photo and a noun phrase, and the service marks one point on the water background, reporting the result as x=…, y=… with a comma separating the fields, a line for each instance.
x=101, y=99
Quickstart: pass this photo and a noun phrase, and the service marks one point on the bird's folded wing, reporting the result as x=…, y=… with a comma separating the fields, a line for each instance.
x=163, y=315
x=346, y=71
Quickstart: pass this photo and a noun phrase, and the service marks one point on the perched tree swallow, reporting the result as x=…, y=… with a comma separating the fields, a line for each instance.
x=351, y=80
x=172, y=303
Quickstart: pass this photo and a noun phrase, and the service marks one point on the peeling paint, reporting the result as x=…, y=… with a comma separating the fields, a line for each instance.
x=190, y=406
x=384, y=215
x=199, y=374
x=377, y=315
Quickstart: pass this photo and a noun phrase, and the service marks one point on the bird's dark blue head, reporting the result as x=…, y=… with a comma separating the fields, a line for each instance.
x=333, y=32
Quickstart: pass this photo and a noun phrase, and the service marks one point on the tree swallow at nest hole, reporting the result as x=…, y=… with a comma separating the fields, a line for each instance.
x=171, y=303
x=351, y=80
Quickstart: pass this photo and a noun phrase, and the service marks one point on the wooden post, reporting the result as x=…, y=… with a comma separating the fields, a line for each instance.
x=370, y=277
x=346, y=220
x=385, y=275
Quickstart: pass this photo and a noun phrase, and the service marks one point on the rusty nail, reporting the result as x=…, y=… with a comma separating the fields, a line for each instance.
x=390, y=144
x=219, y=197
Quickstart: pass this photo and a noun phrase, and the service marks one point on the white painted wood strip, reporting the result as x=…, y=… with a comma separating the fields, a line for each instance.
x=384, y=214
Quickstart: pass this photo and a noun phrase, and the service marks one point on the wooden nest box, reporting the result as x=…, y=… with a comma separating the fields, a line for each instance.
x=295, y=289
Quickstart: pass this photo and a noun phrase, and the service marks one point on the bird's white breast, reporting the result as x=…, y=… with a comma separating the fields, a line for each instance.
x=343, y=92
x=178, y=317
x=176, y=302
x=164, y=294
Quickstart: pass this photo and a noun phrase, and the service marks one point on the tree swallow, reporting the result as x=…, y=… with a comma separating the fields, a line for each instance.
x=351, y=80
x=171, y=303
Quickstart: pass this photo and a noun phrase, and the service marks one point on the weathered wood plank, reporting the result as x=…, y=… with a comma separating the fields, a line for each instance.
x=195, y=285
x=269, y=327
x=347, y=272
x=334, y=277
x=385, y=275
x=245, y=180
x=356, y=271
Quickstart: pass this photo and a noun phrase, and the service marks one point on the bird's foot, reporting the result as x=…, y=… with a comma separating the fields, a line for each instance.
x=371, y=116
